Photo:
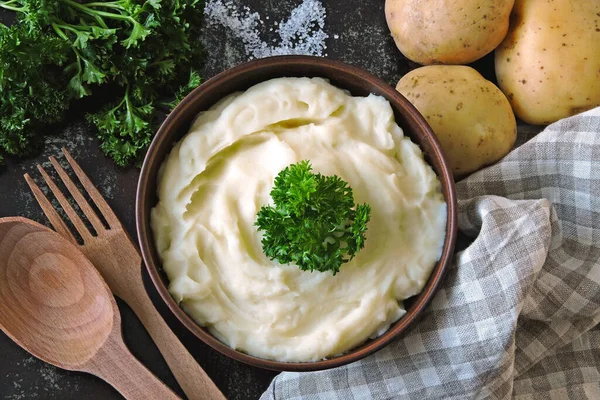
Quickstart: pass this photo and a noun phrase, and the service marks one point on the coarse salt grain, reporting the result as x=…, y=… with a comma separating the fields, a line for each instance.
x=301, y=33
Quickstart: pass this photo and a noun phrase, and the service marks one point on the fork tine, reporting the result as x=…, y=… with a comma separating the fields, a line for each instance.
x=94, y=194
x=59, y=225
x=85, y=206
x=77, y=222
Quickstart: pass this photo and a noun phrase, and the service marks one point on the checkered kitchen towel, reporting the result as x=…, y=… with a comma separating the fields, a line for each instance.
x=518, y=313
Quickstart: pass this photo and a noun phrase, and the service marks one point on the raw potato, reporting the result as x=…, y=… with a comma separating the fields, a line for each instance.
x=470, y=116
x=447, y=31
x=549, y=64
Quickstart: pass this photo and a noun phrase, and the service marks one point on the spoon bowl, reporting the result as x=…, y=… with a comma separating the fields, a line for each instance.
x=56, y=306
x=47, y=290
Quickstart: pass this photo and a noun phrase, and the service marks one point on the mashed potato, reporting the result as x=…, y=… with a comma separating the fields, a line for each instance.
x=219, y=175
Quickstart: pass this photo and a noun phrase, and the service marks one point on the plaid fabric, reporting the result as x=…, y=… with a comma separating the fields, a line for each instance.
x=518, y=312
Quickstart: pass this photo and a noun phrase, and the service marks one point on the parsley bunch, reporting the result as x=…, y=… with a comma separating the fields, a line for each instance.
x=33, y=90
x=130, y=55
x=314, y=222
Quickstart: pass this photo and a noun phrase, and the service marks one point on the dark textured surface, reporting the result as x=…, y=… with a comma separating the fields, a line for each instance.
x=361, y=39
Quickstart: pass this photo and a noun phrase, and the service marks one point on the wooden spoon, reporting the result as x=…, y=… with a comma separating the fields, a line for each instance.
x=57, y=306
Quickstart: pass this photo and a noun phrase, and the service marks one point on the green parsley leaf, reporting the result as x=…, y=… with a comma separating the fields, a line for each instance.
x=194, y=81
x=314, y=222
x=124, y=128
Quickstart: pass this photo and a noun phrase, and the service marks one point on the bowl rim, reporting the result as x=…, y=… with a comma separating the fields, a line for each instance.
x=144, y=232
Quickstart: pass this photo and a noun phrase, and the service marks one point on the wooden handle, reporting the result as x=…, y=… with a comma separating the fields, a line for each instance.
x=115, y=364
x=195, y=383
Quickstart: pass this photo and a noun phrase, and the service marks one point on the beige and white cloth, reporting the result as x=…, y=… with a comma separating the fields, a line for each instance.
x=518, y=313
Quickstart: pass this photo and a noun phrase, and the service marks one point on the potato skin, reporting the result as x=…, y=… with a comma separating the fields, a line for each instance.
x=549, y=64
x=470, y=116
x=447, y=31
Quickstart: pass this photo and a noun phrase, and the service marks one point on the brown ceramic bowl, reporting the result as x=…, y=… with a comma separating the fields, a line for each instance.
x=359, y=83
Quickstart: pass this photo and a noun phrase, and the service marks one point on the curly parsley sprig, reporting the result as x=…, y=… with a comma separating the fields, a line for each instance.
x=314, y=222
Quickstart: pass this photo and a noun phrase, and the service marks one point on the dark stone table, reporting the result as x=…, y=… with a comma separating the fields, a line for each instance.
x=358, y=35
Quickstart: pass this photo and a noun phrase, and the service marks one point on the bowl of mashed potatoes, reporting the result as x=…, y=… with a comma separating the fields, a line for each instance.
x=212, y=166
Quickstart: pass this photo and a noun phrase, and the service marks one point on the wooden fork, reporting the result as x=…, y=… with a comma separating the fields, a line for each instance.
x=118, y=260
